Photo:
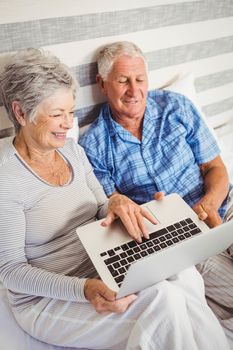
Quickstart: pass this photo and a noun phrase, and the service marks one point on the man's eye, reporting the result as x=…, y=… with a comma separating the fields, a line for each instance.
x=122, y=81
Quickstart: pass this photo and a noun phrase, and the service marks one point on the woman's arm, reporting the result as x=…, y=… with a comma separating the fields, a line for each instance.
x=15, y=271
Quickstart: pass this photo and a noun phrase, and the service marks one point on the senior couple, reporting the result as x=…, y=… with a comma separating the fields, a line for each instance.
x=156, y=143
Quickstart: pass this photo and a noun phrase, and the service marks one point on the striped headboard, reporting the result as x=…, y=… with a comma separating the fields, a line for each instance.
x=176, y=36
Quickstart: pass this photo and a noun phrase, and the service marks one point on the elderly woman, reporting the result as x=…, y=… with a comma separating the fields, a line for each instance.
x=47, y=189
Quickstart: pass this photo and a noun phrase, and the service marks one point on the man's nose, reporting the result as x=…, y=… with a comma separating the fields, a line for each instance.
x=132, y=88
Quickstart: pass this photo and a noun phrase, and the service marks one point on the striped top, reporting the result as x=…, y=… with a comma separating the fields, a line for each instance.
x=40, y=253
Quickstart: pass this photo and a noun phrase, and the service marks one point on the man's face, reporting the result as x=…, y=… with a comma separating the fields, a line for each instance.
x=126, y=87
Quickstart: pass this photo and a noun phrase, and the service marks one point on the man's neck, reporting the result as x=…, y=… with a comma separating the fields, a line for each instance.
x=133, y=125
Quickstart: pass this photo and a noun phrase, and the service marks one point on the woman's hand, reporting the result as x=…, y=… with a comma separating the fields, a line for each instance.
x=104, y=299
x=131, y=214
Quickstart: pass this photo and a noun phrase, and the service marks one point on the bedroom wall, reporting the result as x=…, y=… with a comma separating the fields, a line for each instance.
x=177, y=37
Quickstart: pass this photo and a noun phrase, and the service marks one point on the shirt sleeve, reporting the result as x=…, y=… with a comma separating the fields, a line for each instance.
x=100, y=159
x=15, y=272
x=199, y=136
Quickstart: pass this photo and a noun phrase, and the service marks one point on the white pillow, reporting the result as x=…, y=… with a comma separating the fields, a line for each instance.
x=74, y=132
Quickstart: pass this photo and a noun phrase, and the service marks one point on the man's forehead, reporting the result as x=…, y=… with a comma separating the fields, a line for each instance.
x=123, y=65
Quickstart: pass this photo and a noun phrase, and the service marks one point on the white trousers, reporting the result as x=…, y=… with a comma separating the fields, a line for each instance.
x=171, y=315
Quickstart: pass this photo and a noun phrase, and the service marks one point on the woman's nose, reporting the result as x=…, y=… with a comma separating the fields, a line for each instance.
x=68, y=121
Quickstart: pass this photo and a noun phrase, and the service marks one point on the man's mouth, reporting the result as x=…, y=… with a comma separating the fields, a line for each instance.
x=131, y=101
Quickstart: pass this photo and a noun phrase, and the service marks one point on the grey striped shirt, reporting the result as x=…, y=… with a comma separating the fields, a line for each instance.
x=40, y=253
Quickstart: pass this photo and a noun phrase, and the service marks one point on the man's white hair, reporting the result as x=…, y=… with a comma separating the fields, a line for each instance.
x=110, y=52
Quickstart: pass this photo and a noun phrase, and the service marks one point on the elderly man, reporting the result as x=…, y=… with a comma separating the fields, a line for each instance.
x=144, y=143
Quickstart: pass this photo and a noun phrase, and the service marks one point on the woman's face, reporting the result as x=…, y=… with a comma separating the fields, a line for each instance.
x=54, y=117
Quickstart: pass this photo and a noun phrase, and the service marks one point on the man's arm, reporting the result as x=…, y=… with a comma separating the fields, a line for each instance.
x=216, y=186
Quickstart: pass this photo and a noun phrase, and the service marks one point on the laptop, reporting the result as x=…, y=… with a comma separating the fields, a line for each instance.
x=178, y=241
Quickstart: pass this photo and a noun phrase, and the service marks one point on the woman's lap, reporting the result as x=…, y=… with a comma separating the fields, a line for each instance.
x=165, y=308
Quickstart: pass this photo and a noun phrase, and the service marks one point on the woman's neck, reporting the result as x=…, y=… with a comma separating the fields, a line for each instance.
x=32, y=154
x=48, y=165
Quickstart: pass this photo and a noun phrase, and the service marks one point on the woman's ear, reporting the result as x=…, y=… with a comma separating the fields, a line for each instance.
x=19, y=114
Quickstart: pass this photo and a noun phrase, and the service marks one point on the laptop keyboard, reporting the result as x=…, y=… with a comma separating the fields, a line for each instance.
x=119, y=259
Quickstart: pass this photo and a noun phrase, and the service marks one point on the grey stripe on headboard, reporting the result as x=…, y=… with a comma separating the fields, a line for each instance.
x=52, y=31
x=211, y=81
x=218, y=107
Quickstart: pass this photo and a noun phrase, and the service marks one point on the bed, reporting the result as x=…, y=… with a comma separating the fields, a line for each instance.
x=189, y=48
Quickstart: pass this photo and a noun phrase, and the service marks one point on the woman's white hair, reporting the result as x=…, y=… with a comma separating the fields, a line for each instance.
x=30, y=76
x=110, y=52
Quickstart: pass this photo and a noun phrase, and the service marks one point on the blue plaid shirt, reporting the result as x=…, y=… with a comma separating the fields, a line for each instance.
x=175, y=141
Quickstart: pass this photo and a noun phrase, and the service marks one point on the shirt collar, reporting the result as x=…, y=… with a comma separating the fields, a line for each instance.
x=149, y=122
x=115, y=128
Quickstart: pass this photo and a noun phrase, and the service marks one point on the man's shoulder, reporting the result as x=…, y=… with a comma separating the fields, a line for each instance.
x=165, y=95
x=97, y=130
x=166, y=100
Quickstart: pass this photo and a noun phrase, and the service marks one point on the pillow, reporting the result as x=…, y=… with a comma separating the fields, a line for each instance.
x=185, y=86
x=74, y=132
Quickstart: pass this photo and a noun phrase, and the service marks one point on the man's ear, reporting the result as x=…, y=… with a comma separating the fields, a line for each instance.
x=19, y=114
x=100, y=82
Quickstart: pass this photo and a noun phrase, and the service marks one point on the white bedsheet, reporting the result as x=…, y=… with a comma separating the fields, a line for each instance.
x=12, y=337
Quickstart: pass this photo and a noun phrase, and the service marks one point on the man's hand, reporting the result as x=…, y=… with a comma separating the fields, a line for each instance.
x=205, y=209
x=104, y=299
x=158, y=196
x=207, y=212
x=216, y=187
x=131, y=214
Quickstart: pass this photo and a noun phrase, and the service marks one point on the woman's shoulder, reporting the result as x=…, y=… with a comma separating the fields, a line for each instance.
x=71, y=148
